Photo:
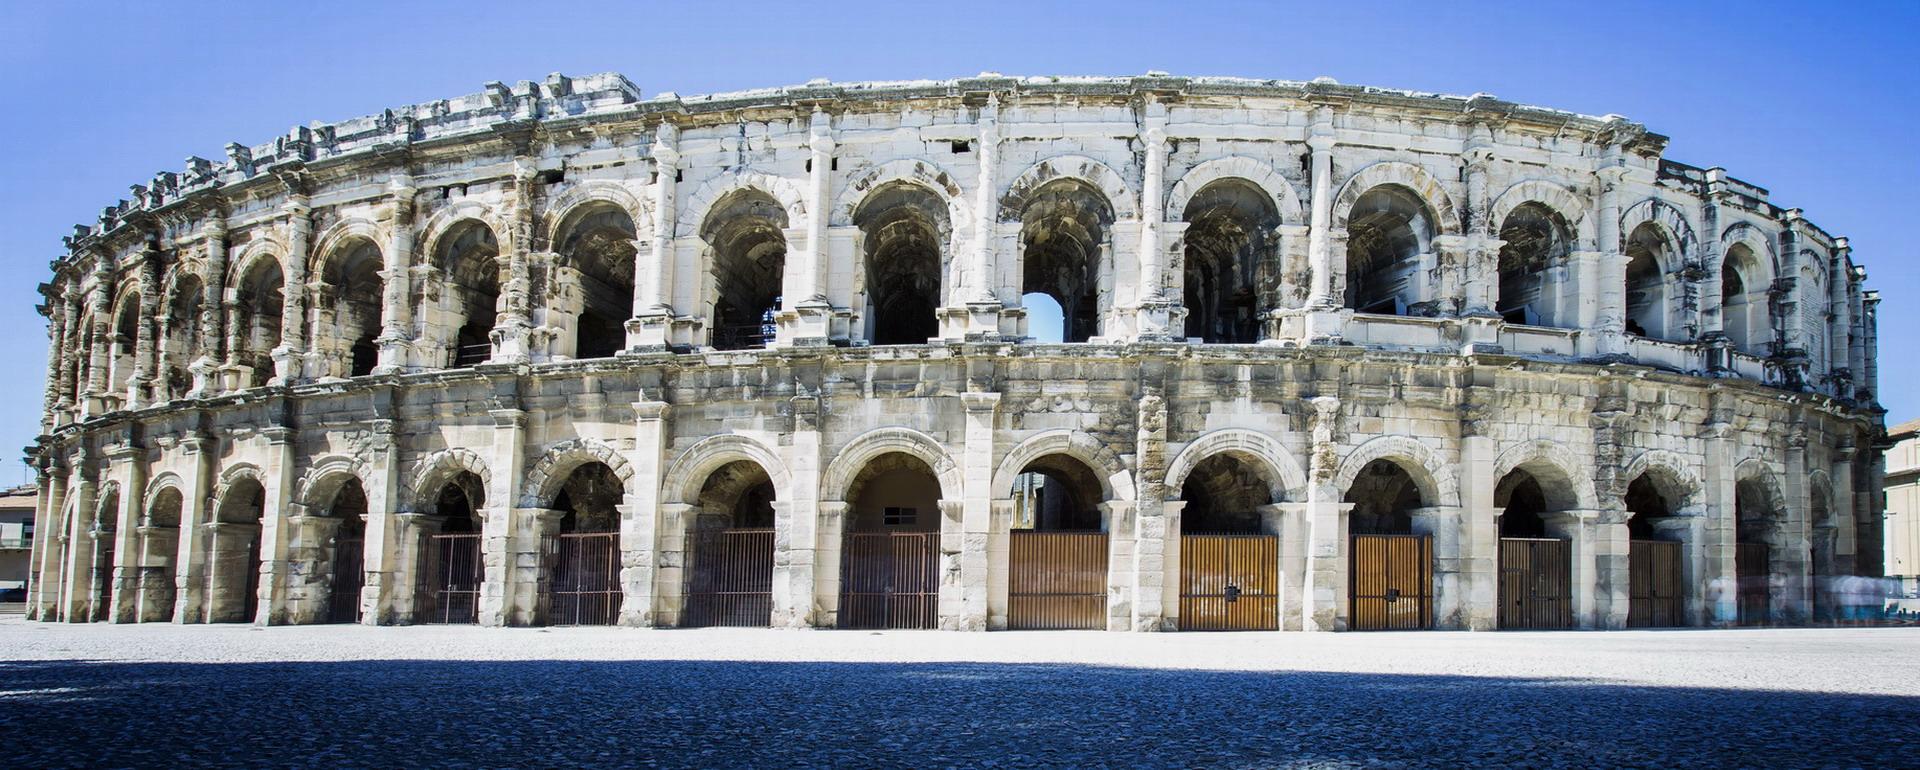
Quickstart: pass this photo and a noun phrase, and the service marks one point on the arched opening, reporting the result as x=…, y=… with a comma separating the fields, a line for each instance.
x=465, y=309
x=1057, y=493
x=345, y=560
x=351, y=294
x=584, y=587
x=1389, y=233
x=1536, y=560
x=100, y=585
x=1046, y=321
x=159, y=542
x=746, y=231
x=126, y=333
x=451, y=570
x=1057, y=551
x=1756, y=523
x=730, y=555
x=1231, y=262
x=1534, y=279
x=597, y=250
x=1657, y=589
x=904, y=230
x=258, y=303
x=1229, y=546
x=179, y=335
x=1065, y=239
x=890, y=556
x=1390, y=580
x=231, y=563
x=1814, y=300
x=1824, y=532
x=1649, y=259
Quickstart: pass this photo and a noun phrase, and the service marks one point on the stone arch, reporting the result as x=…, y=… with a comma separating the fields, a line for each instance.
x=548, y=473
x=331, y=243
x=587, y=195
x=231, y=475
x=1550, y=461
x=1675, y=468
x=1100, y=176
x=263, y=247
x=1116, y=483
x=437, y=469
x=1764, y=472
x=1666, y=217
x=1284, y=475
x=104, y=515
x=324, y=477
x=1556, y=197
x=1820, y=489
x=1400, y=174
x=1286, y=199
x=1437, y=483
x=786, y=192
x=688, y=472
x=850, y=459
x=1761, y=246
x=161, y=483
x=448, y=218
x=912, y=171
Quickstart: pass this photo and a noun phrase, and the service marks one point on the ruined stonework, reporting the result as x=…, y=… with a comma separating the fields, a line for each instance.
x=1292, y=310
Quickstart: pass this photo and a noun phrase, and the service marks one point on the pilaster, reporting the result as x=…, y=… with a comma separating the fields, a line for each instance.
x=648, y=330
x=396, y=312
x=640, y=532
x=976, y=516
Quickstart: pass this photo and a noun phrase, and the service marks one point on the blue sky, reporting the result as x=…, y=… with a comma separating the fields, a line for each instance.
x=1816, y=104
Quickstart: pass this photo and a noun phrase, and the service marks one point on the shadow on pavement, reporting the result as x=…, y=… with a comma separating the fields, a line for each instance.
x=685, y=713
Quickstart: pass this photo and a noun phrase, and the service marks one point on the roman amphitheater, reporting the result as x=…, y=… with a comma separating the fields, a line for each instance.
x=1138, y=353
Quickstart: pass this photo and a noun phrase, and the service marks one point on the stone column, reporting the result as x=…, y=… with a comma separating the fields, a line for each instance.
x=124, y=462
x=309, y=575
x=807, y=542
x=99, y=339
x=145, y=350
x=813, y=310
x=276, y=528
x=1153, y=319
x=1324, y=523
x=505, y=564
x=410, y=530
x=293, y=314
x=1708, y=560
x=976, y=516
x=652, y=306
x=640, y=532
x=195, y=509
x=1610, y=279
x=396, y=289
x=1294, y=528
x=388, y=587
x=531, y=570
x=1152, y=535
x=1840, y=354
x=1479, y=529
x=43, y=590
x=1479, y=287
x=212, y=299
x=513, y=329
x=1788, y=293
x=54, y=400
x=72, y=347
x=979, y=290
x=1322, y=295
x=76, y=570
x=1789, y=556
x=1451, y=609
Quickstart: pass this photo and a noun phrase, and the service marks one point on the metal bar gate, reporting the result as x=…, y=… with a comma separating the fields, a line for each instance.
x=890, y=580
x=1752, y=569
x=451, y=573
x=349, y=575
x=1229, y=583
x=1655, y=594
x=583, y=587
x=1057, y=580
x=1536, y=583
x=730, y=582
x=1390, y=582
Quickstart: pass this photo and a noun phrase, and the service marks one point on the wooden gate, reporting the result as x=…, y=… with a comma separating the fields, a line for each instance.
x=1536, y=583
x=730, y=582
x=1655, y=590
x=343, y=597
x=583, y=587
x=1229, y=583
x=451, y=572
x=1752, y=571
x=1057, y=580
x=1390, y=582
x=890, y=580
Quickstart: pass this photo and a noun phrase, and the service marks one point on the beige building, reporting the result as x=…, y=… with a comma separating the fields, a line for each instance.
x=1903, y=503
x=17, y=507
x=1332, y=357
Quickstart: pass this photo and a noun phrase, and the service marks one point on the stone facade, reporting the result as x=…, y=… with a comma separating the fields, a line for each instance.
x=1304, y=304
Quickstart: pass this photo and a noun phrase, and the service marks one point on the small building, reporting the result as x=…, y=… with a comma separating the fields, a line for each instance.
x=1903, y=505
x=16, y=545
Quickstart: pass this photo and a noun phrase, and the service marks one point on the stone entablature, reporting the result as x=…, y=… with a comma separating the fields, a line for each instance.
x=1305, y=276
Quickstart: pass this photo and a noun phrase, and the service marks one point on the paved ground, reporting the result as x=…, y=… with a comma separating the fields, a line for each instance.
x=170, y=695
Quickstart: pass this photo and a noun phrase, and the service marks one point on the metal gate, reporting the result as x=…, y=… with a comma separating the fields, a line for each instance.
x=1390, y=582
x=890, y=580
x=343, y=600
x=1229, y=583
x=1536, y=583
x=1656, y=598
x=730, y=582
x=584, y=585
x=451, y=573
x=1057, y=580
x=1752, y=571
x=102, y=608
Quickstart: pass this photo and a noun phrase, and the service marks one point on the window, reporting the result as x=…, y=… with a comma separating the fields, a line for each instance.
x=900, y=517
